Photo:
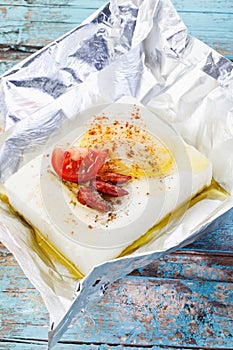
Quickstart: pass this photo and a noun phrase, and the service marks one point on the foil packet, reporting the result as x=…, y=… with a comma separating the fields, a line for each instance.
x=137, y=48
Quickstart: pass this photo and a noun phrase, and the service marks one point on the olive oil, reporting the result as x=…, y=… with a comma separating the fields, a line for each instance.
x=45, y=249
x=214, y=191
x=48, y=252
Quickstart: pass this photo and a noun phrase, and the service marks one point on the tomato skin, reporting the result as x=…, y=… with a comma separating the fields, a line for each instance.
x=77, y=164
x=83, y=165
x=92, y=199
x=114, y=178
x=57, y=160
x=109, y=189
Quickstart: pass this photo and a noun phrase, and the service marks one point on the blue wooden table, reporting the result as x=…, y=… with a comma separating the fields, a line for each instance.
x=184, y=301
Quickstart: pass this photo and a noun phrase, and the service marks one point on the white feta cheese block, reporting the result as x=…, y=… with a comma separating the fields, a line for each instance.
x=73, y=229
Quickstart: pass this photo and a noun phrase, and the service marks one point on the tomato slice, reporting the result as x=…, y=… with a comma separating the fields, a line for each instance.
x=77, y=164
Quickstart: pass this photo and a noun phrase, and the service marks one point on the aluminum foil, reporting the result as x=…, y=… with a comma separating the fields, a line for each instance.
x=137, y=48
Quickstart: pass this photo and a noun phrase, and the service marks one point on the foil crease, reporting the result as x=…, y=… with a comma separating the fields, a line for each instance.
x=135, y=48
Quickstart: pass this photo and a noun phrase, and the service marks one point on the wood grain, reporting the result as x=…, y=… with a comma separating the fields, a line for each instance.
x=41, y=346
x=145, y=311
x=25, y=24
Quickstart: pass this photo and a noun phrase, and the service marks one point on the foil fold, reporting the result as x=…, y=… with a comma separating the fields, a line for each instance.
x=127, y=48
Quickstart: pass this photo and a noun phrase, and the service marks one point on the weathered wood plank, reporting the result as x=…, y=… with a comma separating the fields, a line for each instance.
x=164, y=312
x=17, y=18
x=207, y=21
x=34, y=14
x=42, y=346
x=55, y=3
x=73, y=14
x=217, y=41
x=31, y=24
x=209, y=6
x=202, y=267
x=20, y=345
x=10, y=56
x=194, y=5
x=142, y=311
x=33, y=33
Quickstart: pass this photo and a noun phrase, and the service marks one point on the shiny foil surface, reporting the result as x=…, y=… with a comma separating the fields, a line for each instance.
x=138, y=48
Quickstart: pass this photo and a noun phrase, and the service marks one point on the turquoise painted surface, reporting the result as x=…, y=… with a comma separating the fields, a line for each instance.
x=184, y=299
x=148, y=311
x=36, y=23
x=42, y=346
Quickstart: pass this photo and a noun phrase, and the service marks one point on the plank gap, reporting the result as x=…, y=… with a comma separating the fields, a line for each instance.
x=125, y=344
x=23, y=341
x=20, y=48
x=172, y=279
x=200, y=252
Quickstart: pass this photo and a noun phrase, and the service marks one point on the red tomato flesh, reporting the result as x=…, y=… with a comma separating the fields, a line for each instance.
x=77, y=164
